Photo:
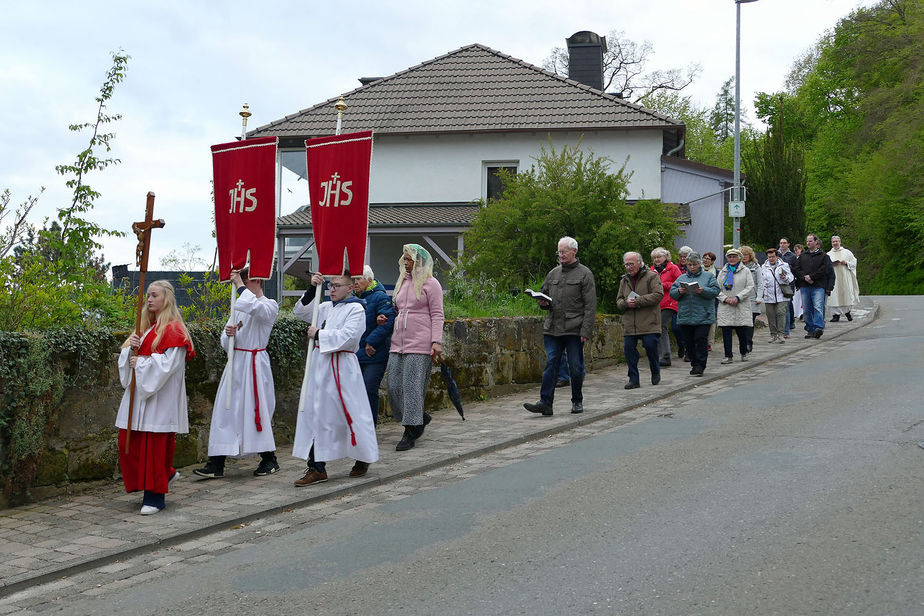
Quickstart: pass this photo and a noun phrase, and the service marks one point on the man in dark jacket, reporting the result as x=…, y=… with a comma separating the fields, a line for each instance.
x=569, y=324
x=374, y=345
x=813, y=271
x=639, y=300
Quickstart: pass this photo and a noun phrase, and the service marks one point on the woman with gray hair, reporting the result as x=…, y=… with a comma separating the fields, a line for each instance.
x=695, y=294
x=668, y=273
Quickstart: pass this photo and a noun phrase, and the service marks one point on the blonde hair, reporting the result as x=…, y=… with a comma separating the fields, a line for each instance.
x=747, y=251
x=421, y=272
x=168, y=314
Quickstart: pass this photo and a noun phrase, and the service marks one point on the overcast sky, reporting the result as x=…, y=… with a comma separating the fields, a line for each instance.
x=194, y=63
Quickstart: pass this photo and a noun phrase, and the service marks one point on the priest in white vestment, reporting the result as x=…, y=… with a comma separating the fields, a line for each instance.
x=846, y=293
x=336, y=421
x=246, y=427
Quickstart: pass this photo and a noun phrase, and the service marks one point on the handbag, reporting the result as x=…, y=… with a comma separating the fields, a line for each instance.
x=786, y=289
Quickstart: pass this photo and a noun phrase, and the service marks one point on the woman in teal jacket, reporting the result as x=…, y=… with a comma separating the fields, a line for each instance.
x=695, y=292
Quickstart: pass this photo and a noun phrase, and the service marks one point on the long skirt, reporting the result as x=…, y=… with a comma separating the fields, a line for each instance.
x=149, y=463
x=408, y=376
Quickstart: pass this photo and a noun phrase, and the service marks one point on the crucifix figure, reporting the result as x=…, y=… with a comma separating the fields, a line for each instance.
x=143, y=231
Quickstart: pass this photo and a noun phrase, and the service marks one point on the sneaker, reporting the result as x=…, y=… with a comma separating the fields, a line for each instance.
x=311, y=477
x=810, y=335
x=781, y=340
x=577, y=407
x=539, y=407
x=772, y=339
x=210, y=471
x=267, y=466
x=175, y=475
x=744, y=357
x=727, y=360
x=562, y=383
x=359, y=469
x=149, y=510
x=631, y=385
x=818, y=333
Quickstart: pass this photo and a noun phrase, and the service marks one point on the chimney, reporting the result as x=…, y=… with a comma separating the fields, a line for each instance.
x=585, y=58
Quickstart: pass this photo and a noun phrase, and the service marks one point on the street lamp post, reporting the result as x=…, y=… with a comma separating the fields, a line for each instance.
x=736, y=195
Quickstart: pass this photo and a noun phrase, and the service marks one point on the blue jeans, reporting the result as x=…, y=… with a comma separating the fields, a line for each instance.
x=564, y=371
x=555, y=348
x=372, y=378
x=813, y=308
x=630, y=348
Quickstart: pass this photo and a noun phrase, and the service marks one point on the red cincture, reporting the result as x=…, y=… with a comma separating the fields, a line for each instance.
x=346, y=413
x=256, y=397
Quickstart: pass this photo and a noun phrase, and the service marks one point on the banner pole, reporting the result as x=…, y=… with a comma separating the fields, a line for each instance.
x=318, y=298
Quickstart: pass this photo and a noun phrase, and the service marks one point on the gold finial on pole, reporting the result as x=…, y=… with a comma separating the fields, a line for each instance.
x=244, y=113
x=340, y=106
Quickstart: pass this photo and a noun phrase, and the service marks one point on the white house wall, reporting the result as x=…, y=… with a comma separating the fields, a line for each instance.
x=449, y=168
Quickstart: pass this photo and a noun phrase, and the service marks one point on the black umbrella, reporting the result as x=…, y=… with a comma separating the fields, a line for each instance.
x=452, y=388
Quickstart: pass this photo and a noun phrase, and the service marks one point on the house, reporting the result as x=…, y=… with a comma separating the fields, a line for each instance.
x=443, y=130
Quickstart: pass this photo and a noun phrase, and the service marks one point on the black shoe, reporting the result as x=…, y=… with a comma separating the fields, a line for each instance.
x=539, y=407
x=810, y=335
x=407, y=440
x=849, y=318
x=211, y=471
x=656, y=378
x=681, y=353
x=267, y=466
x=577, y=407
x=697, y=373
x=427, y=418
x=686, y=358
x=631, y=385
x=819, y=332
x=836, y=318
x=562, y=383
x=665, y=363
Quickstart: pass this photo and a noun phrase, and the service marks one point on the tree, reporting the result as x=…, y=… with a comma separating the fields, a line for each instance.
x=775, y=171
x=722, y=118
x=55, y=276
x=572, y=192
x=701, y=144
x=857, y=97
x=624, y=66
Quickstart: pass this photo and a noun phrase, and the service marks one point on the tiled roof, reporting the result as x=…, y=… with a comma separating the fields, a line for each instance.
x=472, y=89
x=400, y=215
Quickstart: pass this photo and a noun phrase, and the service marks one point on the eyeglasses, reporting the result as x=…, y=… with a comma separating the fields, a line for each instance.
x=336, y=285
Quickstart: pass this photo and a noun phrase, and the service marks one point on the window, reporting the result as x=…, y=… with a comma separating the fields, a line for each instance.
x=494, y=188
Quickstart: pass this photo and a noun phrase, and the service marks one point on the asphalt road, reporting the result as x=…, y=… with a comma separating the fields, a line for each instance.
x=792, y=488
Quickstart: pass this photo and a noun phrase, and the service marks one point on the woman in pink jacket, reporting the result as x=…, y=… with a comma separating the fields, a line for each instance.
x=416, y=341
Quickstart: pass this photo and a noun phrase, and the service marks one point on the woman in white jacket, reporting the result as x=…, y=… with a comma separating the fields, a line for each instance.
x=736, y=289
x=773, y=272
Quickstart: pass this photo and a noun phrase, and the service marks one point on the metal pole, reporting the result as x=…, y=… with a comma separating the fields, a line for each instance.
x=736, y=190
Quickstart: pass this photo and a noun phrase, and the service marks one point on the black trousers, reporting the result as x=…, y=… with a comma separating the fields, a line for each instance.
x=742, y=332
x=696, y=341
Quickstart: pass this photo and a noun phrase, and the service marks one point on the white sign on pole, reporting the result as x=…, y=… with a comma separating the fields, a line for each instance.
x=736, y=209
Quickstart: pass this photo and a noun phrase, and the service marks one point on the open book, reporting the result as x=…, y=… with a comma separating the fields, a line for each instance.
x=689, y=285
x=538, y=295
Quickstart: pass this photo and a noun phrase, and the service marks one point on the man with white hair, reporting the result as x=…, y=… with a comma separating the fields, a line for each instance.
x=569, y=324
x=639, y=300
x=376, y=340
x=846, y=291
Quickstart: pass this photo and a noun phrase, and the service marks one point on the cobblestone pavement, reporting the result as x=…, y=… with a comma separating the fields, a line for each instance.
x=96, y=542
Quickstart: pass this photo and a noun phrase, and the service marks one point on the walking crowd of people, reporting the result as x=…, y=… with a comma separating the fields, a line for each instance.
x=361, y=333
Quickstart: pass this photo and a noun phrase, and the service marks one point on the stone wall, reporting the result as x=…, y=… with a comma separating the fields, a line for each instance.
x=488, y=357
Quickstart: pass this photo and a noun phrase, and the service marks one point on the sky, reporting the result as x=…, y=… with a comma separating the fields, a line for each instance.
x=194, y=63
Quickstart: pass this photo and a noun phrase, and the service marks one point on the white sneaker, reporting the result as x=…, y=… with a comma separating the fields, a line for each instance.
x=149, y=510
x=176, y=475
x=744, y=357
x=727, y=360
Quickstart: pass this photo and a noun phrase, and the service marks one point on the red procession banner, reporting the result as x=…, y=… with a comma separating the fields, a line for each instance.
x=245, y=205
x=338, y=186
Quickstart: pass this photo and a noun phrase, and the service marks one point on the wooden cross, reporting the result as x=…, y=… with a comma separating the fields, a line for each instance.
x=143, y=231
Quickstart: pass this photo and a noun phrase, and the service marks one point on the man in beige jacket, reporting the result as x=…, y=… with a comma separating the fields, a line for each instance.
x=639, y=300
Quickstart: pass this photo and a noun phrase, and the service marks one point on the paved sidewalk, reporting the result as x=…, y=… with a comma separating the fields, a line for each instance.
x=62, y=536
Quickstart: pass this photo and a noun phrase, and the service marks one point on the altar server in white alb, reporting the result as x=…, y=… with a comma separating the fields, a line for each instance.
x=846, y=291
x=159, y=411
x=336, y=421
x=245, y=428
